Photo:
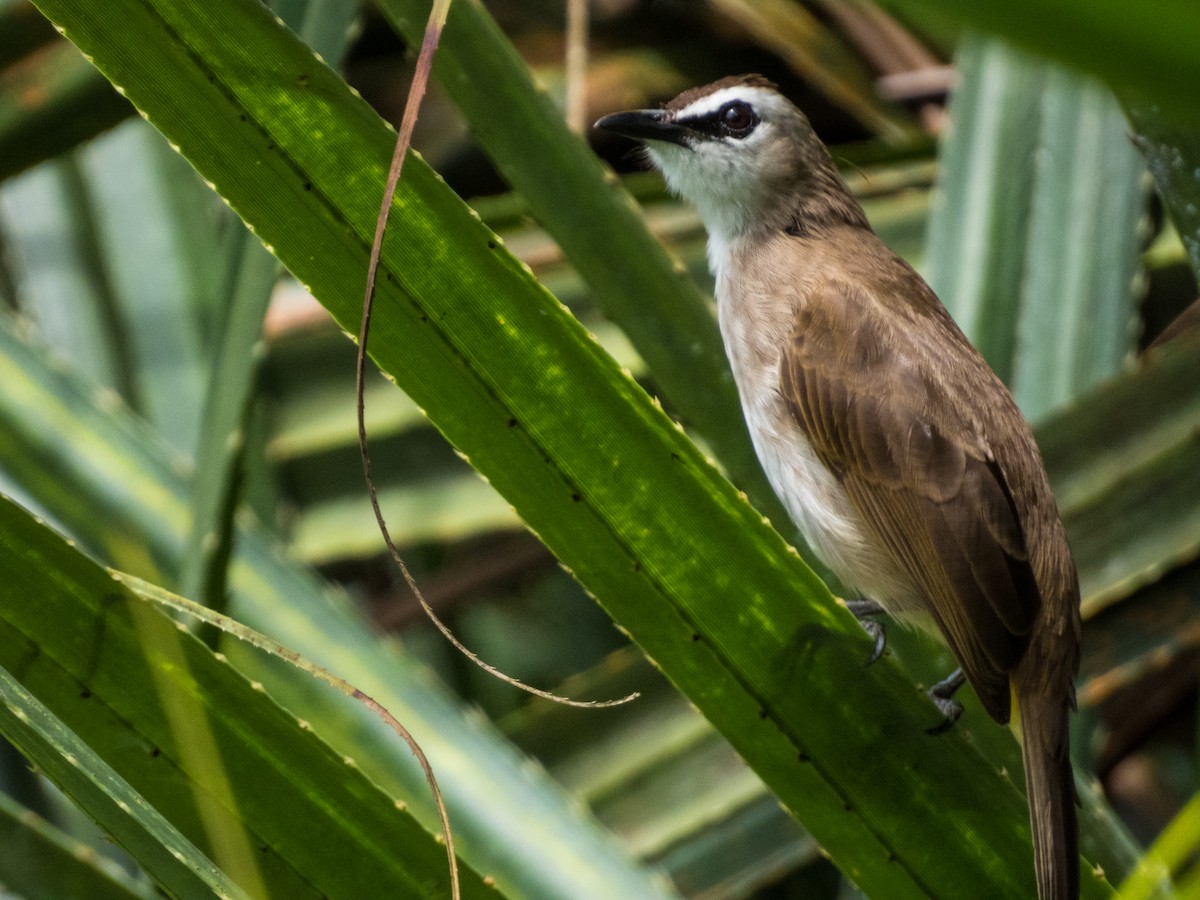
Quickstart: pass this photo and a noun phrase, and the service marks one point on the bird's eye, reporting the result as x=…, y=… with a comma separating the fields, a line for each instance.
x=738, y=119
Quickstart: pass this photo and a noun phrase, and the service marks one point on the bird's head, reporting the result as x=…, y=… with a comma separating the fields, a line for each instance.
x=737, y=149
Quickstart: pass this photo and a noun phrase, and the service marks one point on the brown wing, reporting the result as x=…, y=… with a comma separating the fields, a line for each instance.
x=919, y=471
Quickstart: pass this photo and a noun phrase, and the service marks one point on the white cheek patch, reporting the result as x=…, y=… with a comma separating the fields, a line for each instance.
x=723, y=192
x=668, y=158
x=722, y=176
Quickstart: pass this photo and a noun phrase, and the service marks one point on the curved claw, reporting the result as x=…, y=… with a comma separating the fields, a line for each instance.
x=950, y=710
x=879, y=634
x=942, y=695
x=864, y=610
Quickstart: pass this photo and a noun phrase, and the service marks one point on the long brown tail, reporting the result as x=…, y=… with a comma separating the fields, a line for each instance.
x=1050, y=788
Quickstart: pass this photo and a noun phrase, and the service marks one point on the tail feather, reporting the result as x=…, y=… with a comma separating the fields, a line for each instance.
x=1050, y=789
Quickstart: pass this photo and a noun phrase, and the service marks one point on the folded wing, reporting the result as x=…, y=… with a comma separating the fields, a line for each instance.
x=920, y=472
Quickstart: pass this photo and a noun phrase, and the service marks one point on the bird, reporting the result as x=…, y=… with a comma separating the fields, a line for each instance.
x=900, y=455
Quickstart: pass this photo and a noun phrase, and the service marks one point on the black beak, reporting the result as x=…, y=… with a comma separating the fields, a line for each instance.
x=646, y=125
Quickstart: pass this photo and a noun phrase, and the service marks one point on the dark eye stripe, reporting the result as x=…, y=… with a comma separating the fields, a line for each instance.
x=714, y=124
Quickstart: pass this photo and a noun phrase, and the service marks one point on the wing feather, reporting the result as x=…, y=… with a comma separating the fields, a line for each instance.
x=922, y=475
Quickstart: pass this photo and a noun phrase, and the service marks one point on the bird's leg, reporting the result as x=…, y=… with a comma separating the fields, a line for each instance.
x=942, y=695
x=865, y=611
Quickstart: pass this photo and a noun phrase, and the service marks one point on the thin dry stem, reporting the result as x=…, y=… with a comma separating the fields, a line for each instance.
x=152, y=593
x=577, y=64
x=420, y=79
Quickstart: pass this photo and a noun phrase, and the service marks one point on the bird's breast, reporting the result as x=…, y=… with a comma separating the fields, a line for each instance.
x=754, y=331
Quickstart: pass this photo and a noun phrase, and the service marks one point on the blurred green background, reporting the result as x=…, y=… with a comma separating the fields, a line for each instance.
x=182, y=407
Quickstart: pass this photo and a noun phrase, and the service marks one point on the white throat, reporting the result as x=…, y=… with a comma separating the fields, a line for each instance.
x=729, y=181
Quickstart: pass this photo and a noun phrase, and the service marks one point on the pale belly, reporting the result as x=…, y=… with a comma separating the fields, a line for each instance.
x=822, y=510
x=813, y=497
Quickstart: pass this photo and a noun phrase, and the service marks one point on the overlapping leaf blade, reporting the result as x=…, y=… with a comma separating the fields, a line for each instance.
x=112, y=482
x=177, y=734
x=619, y=495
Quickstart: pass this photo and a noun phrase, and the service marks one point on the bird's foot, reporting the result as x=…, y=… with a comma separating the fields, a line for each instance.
x=942, y=695
x=865, y=611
